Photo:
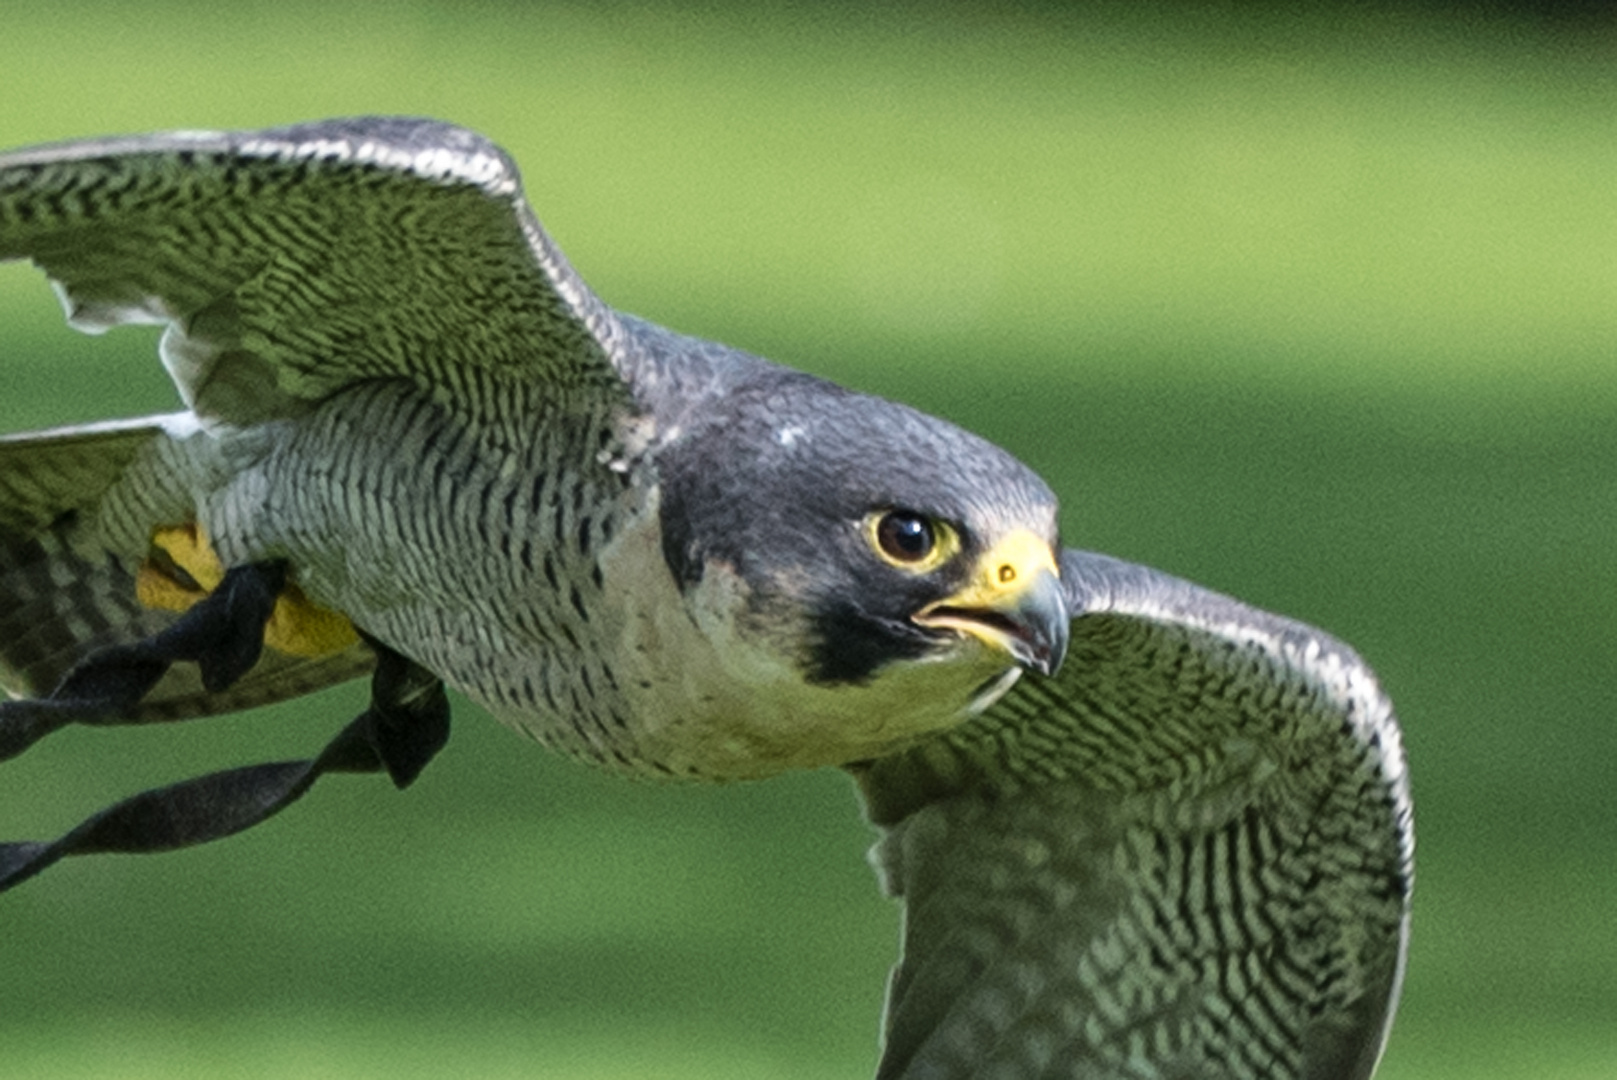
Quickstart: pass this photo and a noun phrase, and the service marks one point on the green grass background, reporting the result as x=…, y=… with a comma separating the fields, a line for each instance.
x=1320, y=310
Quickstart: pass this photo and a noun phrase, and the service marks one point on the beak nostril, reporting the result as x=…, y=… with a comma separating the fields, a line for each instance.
x=1007, y=574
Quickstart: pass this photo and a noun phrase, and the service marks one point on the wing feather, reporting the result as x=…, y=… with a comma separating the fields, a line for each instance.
x=1188, y=855
x=290, y=262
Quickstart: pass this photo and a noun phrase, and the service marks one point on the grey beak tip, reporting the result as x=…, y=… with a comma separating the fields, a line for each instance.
x=1050, y=662
x=1050, y=629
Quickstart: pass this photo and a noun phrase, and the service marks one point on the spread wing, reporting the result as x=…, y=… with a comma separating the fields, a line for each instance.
x=290, y=262
x=1187, y=855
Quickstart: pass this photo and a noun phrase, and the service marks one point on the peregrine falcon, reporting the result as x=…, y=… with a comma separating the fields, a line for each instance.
x=1139, y=828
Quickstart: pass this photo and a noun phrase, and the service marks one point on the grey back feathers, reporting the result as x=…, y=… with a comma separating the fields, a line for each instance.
x=1187, y=854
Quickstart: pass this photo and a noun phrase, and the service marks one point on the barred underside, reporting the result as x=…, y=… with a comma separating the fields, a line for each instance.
x=476, y=558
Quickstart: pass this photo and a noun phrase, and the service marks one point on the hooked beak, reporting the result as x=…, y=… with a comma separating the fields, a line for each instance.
x=1014, y=602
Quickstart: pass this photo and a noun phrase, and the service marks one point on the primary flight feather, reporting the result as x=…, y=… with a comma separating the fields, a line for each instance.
x=1140, y=829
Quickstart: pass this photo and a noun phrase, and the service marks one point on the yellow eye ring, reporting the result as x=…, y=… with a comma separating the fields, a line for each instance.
x=911, y=541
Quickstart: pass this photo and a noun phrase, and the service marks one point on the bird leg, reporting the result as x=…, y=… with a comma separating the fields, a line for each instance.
x=406, y=724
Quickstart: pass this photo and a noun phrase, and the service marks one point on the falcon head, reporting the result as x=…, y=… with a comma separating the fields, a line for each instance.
x=863, y=544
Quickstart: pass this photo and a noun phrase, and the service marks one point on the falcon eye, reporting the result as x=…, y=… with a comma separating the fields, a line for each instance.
x=911, y=541
x=906, y=537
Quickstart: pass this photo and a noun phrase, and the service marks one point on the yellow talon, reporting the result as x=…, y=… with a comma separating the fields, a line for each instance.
x=300, y=627
x=183, y=568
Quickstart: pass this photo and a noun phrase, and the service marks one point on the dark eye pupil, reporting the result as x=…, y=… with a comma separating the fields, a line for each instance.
x=905, y=537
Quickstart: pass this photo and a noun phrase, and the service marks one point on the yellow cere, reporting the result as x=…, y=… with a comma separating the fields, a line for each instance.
x=1005, y=570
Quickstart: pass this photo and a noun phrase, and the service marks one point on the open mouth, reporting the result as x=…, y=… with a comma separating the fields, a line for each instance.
x=1021, y=613
x=998, y=631
x=953, y=617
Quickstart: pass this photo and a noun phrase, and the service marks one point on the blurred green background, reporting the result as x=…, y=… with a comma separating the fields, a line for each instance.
x=1317, y=309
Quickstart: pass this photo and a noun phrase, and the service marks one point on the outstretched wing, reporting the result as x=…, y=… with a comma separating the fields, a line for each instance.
x=1188, y=855
x=290, y=262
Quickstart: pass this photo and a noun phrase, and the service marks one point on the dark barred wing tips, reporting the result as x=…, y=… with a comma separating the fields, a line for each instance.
x=1188, y=855
x=290, y=262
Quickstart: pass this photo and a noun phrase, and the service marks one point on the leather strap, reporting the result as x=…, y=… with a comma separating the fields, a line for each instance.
x=406, y=724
